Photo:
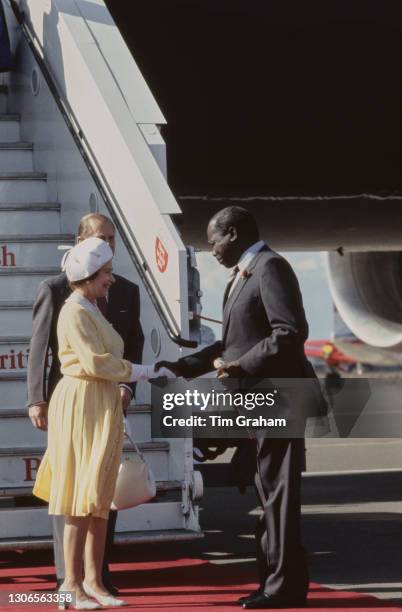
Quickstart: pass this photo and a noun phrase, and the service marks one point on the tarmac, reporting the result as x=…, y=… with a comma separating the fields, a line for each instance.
x=351, y=514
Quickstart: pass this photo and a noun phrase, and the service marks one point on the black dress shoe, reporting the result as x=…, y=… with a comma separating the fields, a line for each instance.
x=275, y=602
x=107, y=582
x=250, y=596
x=111, y=588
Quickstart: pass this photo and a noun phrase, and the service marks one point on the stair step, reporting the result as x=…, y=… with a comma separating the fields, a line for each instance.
x=4, y=305
x=10, y=280
x=33, y=525
x=21, y=271
x=26, y=206
x=16, y=146
x=41, y=238
x=21, y=412
x=38, y=451
x=10, y=117
x=12, y=376
x=18, y=466
x=162, y=487
x=20, y=216
x=149, y=516
x=14, y=340
x=9, y=126
x=129, y=537
x=16, y=317
x=23, y=176
x=13, y=355
x=23, y=187
x=16, y=157
x=32, y=250
x=13, y=385
x=17, y=430
x=139, y=418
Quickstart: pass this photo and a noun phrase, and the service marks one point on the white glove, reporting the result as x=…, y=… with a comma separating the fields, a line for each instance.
x=163, y=372
x=145, y=372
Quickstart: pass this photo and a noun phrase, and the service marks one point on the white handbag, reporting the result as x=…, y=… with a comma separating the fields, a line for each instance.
x=135, y=483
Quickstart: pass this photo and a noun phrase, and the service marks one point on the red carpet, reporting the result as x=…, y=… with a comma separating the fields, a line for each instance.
x=169, y=585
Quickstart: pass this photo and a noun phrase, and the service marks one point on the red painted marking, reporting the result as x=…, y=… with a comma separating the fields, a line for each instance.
x=31, y=465
x=13, y=360
x=161, y=255
x=7, y=256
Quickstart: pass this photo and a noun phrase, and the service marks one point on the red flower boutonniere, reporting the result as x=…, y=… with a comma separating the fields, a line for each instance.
x=245, y=274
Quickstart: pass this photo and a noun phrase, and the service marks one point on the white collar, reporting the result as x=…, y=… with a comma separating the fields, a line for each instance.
x=77, y=298
x=249, y=254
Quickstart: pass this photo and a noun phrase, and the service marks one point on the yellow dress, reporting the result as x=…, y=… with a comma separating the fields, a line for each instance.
x=78, y=472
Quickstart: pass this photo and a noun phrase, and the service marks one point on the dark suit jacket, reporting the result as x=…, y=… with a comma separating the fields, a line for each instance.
x=264, y=325
x=6, y=60
x=123, y=313
x=264, y=329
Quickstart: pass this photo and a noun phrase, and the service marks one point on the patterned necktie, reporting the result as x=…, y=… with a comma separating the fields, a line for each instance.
x=232, y=277
x=102, y=305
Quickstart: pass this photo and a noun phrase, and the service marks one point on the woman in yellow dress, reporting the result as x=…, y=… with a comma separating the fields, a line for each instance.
x=78, y=473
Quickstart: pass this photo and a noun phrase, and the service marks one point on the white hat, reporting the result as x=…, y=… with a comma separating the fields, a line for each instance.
x=86, y=258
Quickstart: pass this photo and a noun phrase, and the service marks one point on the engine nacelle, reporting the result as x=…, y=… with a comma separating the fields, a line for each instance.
x=367, y=291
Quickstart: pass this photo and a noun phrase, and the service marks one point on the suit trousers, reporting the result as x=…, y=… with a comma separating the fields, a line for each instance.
x=280, y=554
x=58, y=523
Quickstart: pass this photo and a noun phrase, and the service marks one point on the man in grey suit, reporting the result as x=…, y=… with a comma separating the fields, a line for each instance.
x=122, y=310
x=263, y=335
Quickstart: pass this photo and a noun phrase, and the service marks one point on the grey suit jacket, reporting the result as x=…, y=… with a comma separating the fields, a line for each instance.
x=123, y=313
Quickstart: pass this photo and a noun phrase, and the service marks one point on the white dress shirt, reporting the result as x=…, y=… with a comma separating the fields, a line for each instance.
x=245, y=260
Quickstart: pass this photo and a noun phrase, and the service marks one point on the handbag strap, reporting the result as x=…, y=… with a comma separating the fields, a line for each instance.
x=137, y=450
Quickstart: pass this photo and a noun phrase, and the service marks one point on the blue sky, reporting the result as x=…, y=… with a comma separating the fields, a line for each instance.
x=310, y=270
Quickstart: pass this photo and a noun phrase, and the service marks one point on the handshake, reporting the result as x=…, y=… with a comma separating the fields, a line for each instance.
x=173, y=369
x=223, y=369
x=150, y=372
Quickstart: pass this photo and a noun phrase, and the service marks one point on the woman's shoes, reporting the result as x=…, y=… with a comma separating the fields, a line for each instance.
x=105, y=600
x=80, y=604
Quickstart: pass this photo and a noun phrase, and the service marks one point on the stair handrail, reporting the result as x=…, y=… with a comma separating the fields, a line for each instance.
x=158, y=299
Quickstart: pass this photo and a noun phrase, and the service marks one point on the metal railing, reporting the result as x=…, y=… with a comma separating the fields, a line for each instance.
x=157, y=297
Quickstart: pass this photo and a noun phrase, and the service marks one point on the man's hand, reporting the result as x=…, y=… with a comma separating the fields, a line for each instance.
x=38, y=415
x=229, y=369
x=126, y=397
x=173, y=366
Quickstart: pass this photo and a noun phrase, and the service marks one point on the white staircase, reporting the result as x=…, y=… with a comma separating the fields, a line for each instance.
x=30, y=231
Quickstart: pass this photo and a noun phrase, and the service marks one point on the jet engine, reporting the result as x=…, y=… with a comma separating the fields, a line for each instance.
x=367, y=290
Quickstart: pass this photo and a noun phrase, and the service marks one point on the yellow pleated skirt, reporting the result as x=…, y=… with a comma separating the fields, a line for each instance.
x=78, y=472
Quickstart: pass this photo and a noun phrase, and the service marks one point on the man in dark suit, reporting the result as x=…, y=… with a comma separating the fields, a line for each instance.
x=122, y=310
x=263, y=335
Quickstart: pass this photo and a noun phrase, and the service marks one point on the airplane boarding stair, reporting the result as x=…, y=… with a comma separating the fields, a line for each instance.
x=58, y=162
